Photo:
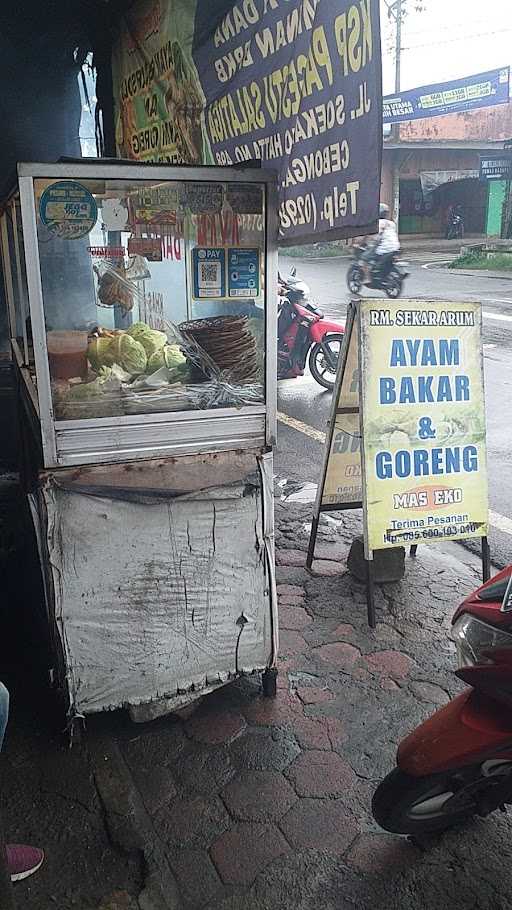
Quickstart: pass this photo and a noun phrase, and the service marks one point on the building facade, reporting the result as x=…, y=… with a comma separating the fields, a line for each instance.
x=437, y=160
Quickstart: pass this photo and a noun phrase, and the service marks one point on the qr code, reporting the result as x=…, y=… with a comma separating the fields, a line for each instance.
x=210, y=273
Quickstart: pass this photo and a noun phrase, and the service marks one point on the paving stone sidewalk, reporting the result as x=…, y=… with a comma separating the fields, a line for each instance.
x=264, y=804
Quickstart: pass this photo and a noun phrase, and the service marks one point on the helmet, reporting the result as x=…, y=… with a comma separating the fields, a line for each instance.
x=383, y=210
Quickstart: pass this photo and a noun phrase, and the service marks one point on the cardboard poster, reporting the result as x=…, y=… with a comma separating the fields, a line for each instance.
x=343, y=471
x=423, y=443
x=149, y=247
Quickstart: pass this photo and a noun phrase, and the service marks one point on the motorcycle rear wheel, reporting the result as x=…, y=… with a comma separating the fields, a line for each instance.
x=393, y=284
x=403, y=804
x=323, y=359
x=355, y=277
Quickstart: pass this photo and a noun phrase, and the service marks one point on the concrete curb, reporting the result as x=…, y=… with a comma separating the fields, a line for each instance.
x=129, y=824
x=475, y=273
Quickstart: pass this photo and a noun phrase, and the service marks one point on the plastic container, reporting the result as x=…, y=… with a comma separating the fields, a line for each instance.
x=67, y=354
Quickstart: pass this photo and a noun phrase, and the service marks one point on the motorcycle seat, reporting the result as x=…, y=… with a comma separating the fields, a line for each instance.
x=494, y=592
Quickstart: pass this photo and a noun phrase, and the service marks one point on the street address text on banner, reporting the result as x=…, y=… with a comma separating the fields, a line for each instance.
x=295, y=84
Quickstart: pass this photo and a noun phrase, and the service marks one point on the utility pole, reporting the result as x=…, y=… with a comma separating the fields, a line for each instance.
x=398, y=46
x=397, y=10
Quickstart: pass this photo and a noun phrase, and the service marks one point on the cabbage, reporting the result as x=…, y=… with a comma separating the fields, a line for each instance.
x=155, y=362
x=169, y=356
x=149, y=338
x=173, y=357
x=137, y=328
x=98, y=353
x=128, y=353
x=105, y=381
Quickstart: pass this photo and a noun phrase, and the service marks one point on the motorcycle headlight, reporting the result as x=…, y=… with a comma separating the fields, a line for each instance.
x=473, y=638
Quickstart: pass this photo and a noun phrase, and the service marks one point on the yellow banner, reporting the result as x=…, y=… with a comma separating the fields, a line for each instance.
x=424, y=452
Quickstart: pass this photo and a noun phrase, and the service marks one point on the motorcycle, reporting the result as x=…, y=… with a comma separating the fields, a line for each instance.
x=302, y=331
x=458, y=763
x=389, y=276
x=455, y=227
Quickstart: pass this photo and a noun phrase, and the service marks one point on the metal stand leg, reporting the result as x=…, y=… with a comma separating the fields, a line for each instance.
x=370, y=594
x=312, y=541
x=486, y=560
x=413, y=550
x=269, y=681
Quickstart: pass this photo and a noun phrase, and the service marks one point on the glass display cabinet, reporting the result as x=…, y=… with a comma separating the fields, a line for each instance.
x=142, y=305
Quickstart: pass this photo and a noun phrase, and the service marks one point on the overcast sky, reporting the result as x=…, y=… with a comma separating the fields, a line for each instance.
x=451, y=38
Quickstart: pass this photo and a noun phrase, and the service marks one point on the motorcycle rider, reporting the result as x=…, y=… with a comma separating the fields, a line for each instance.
x=383, y=248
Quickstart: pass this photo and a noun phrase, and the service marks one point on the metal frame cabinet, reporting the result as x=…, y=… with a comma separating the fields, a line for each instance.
x=155, y=530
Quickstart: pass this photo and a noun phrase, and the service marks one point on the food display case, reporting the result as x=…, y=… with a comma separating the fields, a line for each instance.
x=142, y=308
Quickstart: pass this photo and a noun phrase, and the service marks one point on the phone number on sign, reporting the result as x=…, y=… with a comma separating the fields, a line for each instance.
x=301, y=210
x=399, y=537
x=337, y=205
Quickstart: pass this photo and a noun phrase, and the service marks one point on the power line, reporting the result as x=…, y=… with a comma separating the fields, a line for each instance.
x=474, y=23
x=413, y=47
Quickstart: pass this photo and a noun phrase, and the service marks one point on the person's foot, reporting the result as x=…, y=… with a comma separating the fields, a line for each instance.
x=23, y=861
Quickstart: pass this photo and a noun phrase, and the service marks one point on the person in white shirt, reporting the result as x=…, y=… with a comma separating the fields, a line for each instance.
x=382, y=249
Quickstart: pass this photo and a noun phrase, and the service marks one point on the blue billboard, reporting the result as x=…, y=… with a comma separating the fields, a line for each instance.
x=482, y=90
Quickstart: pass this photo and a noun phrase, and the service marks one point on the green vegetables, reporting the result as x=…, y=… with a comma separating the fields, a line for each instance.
x=132, y=354
x=173, y=356
x=120, y=349
x=150, y=339
x=169, y=356
x=95, y=389
x=155, y=362
x=128, y=353
x=98, y=353
x=124, y=364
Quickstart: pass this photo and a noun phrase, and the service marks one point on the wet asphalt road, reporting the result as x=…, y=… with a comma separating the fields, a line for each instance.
x=299, y=455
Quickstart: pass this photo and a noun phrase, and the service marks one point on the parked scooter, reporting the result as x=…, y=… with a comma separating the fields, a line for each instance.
x=302, y=330
x=388, y=276
x=458, y=763
x=455, y=226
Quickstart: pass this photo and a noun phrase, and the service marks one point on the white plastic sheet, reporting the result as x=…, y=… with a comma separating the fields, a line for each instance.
x=148, y=596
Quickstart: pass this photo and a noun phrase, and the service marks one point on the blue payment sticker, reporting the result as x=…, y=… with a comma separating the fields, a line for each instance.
x=243, y=272
x=68, y=210
x=209, y=272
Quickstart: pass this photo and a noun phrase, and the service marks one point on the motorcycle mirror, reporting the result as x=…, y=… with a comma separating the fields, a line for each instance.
x=293, y=271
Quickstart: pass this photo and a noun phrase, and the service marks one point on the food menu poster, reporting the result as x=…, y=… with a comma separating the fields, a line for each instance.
x=424, y=445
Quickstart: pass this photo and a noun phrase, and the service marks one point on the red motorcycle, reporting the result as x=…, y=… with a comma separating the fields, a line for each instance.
x=301, y=330
x=458, y=763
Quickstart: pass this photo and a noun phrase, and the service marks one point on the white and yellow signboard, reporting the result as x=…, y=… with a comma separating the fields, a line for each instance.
x=423, y=422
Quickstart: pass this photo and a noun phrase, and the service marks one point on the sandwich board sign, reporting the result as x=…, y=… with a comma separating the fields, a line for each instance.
x=406, y=440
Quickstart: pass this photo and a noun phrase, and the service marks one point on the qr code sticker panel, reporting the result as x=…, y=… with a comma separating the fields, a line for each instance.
x=210, y=272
